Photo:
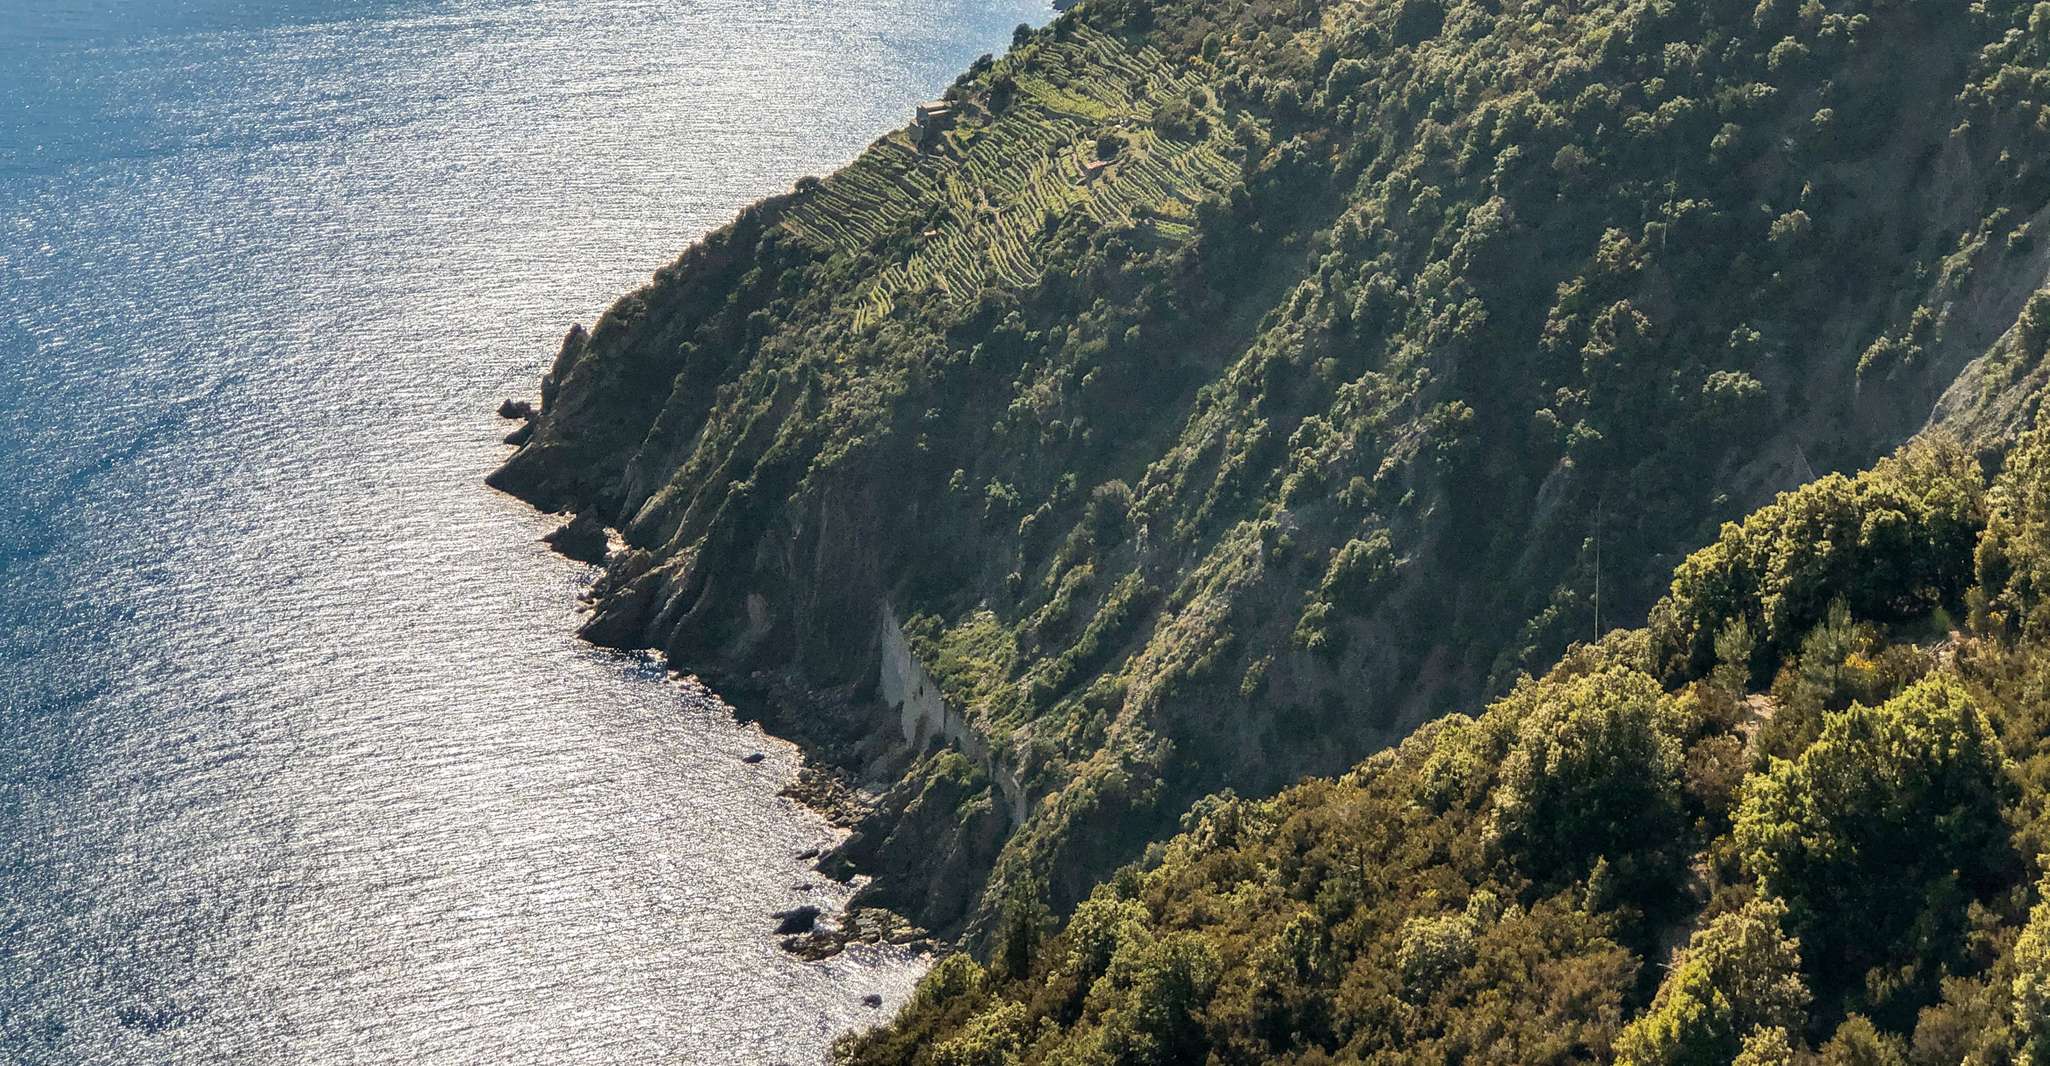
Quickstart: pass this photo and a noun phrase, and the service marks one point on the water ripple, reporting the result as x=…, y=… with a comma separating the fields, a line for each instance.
x=298, y=761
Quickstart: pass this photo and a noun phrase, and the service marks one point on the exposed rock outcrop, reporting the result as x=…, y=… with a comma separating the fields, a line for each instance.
x=582, y=538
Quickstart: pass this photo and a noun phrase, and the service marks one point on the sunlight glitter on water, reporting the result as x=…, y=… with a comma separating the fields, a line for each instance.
x=298, y=759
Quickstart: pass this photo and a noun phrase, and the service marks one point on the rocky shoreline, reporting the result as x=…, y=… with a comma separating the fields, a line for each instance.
x=787, y=709
x=836, y=796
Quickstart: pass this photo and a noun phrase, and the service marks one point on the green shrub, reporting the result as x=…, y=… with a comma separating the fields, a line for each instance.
x=1889, y=822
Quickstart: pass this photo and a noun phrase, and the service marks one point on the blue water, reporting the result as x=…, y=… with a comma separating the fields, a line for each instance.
x=298, y=759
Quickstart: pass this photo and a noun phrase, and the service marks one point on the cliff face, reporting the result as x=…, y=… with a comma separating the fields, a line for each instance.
x=1234, y=387
x=926, y=718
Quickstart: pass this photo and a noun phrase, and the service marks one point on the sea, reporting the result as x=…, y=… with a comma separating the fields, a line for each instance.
x=300, y=760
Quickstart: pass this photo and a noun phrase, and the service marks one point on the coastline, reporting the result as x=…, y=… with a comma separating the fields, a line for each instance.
x=831, y=792
x=928, y=803
x=832, y=730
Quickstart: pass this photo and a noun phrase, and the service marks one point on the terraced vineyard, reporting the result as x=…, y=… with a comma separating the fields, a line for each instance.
x=983, y=195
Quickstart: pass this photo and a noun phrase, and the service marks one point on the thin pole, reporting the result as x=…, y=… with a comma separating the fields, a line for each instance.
x=1599, y=500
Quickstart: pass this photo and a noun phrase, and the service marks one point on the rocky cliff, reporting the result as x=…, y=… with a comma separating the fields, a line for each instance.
x=1234, y=387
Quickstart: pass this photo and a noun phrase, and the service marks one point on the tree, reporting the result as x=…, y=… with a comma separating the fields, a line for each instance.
x=1770, y=1046
x=1433, y=949
x=1418, y=20
x=1894, y=543
x=2013, y=559
x=1590, y=776
x=1879, y=825
x=1737, y=982
x=1292, y=973
x=993, y=1038
x=2030, y=1006
x=1098, y=931
x=1156, y=992
x=1859, y=1043
x=1022, y=926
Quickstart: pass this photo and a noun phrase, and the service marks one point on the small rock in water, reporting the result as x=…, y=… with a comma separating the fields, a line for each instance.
x=796, y=920
x=872, y=1001
x=808, y=854
x=753, y=758
x=515, y=409
x=802, y=886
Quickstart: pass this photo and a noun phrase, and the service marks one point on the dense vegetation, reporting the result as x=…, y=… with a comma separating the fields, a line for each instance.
x=1237, y=386
x=1819, y=841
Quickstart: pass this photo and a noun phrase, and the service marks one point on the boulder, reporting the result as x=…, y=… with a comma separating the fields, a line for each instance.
x=796, y=920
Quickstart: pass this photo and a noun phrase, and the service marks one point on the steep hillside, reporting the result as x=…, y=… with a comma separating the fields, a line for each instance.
x=1820, y=842
x=1230, y=388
